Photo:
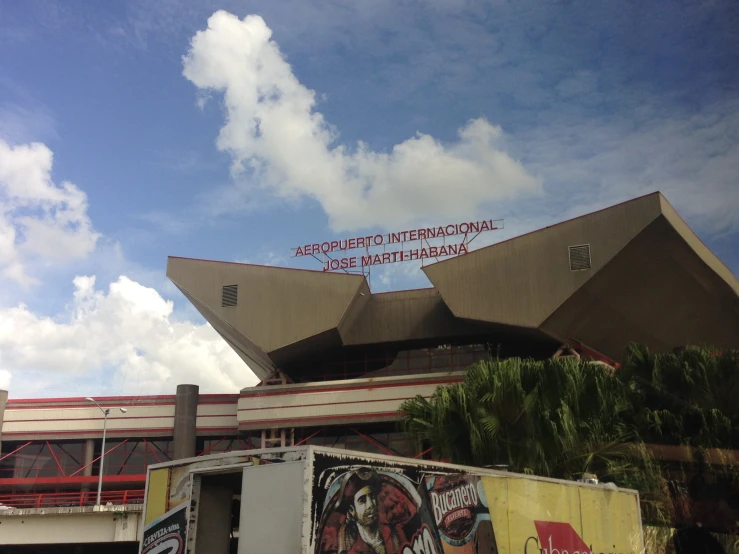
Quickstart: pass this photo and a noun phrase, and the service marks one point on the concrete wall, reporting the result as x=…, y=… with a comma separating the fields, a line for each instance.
x=335, y=402
x=68, y=526
x=148, y=416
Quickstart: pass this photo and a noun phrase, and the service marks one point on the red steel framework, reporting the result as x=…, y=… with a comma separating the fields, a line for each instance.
x=51, y=468
x=32, y=460
x=71, y=499
x=388, y=443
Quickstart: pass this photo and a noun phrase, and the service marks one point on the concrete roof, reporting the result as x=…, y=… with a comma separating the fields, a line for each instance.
x=650, y=280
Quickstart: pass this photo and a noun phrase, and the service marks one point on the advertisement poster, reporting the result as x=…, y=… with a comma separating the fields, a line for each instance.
x=461, y=513
x=536, y=517
x=363, y=507
x=166, y=535
x=180, y=486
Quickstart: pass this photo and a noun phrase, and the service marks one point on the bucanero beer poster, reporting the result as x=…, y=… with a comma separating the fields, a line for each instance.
x=362, y=506
x=395, y=509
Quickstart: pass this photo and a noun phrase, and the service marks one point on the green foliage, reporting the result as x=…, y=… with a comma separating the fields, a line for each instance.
x=564, y=417
x=688, y=398
x=558, y=417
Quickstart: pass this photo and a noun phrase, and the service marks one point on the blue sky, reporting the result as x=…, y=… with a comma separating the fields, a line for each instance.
x=373, y=116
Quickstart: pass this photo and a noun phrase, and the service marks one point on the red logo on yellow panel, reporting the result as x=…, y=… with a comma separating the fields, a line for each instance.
x=556, y=538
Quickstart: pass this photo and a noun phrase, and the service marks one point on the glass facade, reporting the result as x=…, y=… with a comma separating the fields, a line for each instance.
x=67, y=458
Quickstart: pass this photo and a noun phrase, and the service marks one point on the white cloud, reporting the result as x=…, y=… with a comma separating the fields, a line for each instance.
x=129, y=331
x=273, y=130
x=692, y=158
x=22, y=124
x=5, y=379
x=38, y=219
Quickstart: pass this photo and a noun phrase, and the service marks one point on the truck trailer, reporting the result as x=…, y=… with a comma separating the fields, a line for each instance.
x=315, y=500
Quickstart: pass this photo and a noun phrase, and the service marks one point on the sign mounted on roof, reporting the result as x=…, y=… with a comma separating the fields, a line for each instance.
x=415, y=244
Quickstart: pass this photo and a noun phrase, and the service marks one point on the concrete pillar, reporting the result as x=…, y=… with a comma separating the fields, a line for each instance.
x=214, y=520
x=89, y=457
x=185, y=416
x=3, y=401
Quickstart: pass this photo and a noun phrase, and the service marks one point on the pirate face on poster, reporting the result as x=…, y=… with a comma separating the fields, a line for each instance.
x=371, y=511
x=398, y=510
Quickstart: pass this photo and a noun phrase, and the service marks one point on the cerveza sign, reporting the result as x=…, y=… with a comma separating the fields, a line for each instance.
x=375, y=246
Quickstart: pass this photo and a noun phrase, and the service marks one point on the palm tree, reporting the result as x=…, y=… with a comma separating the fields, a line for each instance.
x=557, y=418
x=689, y=399
x=684, y=398
x=564, y=417
x=527, y=414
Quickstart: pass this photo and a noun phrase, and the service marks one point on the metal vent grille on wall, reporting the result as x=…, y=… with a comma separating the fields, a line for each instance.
x=229, y=296
x=579, y=257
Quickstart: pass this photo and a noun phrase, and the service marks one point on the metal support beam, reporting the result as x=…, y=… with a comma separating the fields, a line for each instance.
x=131, y=453
x=211, y=447
x=96, y=459
x=309, y=437
x=151, y=449
x=155, y=445
x=33, y=463
x=14, y=451
x=372, y=441
x=58, y=464
x=422, y=454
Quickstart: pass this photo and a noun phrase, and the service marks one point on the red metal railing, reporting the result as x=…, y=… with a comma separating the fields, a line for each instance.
x=70, y=499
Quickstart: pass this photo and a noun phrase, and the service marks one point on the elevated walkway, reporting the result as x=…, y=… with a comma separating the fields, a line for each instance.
x=111, y=523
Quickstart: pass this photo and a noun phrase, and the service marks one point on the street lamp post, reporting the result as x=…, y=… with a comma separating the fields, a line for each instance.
x=105, y=411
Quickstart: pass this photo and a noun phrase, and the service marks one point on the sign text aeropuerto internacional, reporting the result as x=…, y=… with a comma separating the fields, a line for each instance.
x=402, y=237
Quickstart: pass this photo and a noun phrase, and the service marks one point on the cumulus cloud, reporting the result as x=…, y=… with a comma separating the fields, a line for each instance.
x=5, y=379
x=22, y=124
x=39, y=220
x=128, y=331
x=274, y=132
x=692, y=158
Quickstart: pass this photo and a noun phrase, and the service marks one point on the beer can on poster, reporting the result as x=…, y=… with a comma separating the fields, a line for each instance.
x=461, y=513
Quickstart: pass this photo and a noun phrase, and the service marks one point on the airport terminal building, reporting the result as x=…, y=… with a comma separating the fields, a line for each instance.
x=337, y=360
x=342, y=356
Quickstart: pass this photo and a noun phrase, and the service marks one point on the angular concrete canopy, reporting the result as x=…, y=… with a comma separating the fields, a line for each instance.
x=650, y=279
x=275, y=307
x=523, y=280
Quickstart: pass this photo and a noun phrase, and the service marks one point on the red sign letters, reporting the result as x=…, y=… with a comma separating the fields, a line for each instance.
x=422, y=250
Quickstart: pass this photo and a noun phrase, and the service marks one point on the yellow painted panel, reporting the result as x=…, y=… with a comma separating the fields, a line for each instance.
x=156, y=496
x=530, y=501
x=496, y=491
x=538, y=516
x=610, y=520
